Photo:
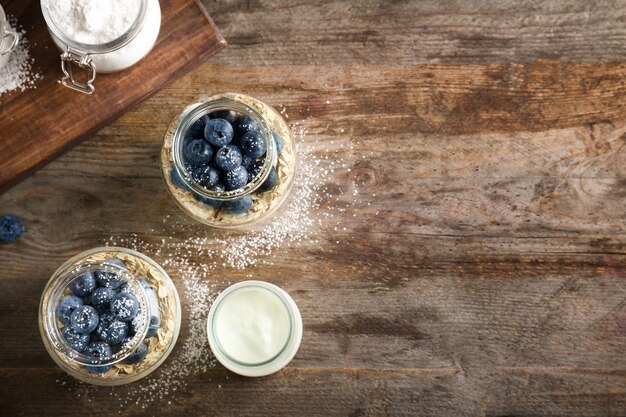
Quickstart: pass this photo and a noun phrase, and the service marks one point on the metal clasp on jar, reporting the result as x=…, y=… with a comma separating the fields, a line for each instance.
x=12, y=45
x=70, y=58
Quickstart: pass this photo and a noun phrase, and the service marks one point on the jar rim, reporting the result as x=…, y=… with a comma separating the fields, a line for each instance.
x=277, y=361
x=212, y=104
x=101, y=48
x=54, y=291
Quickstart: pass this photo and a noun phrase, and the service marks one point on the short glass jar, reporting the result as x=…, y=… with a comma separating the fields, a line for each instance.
x=8, y=39
x=214, y=206
x=124, y=50
x=149, y=336
x=254, y=328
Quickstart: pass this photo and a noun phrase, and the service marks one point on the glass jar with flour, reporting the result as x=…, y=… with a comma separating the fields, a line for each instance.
x=101, y=35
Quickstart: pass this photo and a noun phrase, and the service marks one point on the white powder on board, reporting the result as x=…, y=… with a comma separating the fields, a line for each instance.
x=93, y=21
x=17, y=73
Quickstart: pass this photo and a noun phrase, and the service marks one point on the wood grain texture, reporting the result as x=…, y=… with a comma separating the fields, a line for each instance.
x=482, y=268
x=64, y=117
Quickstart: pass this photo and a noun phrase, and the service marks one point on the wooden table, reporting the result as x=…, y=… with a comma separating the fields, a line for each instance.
x=480, y=268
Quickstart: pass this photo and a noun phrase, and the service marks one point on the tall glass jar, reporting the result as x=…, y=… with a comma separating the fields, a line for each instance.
x=121, y=348
x=127, y=48
x=8, y=39
x=217, y=206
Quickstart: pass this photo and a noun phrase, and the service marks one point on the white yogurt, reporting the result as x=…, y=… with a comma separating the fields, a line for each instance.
x=97, y=22
x=254, y=328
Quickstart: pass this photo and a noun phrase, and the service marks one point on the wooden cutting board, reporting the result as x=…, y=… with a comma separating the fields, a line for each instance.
x=38, y=124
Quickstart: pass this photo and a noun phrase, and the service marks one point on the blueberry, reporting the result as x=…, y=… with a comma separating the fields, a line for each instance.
x=240, y=205
x=84, y=319
x=245, y=124
x=110, y=330
x=98, y=350
x=247, y=160
x=197, y=129
x=211, y=202
x=206, y=175
x=101, y=298
x=83, y=285
x=177, y=180
x=218, y=132
x=153, y=304
x=254, y=169
x=279, y=142
x=76, y=341
x=109, y=279
x=11, y=228
x=124, y=306
x=229, y=115
x=197, y=152
x=228, y=158
x=116, y=262
x=235, y=179
x=253, y=144
x=67, y=306
x=271, y=180
x=138, y=355
x=218, y=188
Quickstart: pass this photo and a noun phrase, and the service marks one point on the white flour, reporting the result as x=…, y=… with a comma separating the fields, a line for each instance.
x=94, y=21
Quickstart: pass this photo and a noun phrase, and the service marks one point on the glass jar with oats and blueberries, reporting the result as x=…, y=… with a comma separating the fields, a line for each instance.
x=229, y=160
x=109, y=316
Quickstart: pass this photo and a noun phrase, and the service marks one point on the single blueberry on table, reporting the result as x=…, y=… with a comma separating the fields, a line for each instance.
x=138, y=355
x=84, y=320
x=235, y=179
x=245, y=124
x=177, y=180
x=271, y=180
x=206, y=176
x=124, y=306
x=253, y=144
x=101, y=299
x=240, y=205
x=218, y=132
x=279, y=142
x=11, y=228
x=76, y=341
x=110, y=330
x=98, y=350
x=83, y=285
x=229, y=115
x=228, y=158
x=67, y=306
x=197, y=152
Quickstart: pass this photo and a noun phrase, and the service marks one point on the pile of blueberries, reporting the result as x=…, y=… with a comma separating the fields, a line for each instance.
x=103, y=314
x=225, y=151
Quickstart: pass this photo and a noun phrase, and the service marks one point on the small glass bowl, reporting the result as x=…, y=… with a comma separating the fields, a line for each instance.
x=158, y=325
x=284, y=354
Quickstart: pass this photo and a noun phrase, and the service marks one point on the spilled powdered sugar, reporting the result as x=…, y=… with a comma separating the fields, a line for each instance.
x=17, y=73
x=298, y=222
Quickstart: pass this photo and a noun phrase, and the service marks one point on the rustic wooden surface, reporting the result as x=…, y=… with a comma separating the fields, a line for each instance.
x=484, y=271
x=64, y=117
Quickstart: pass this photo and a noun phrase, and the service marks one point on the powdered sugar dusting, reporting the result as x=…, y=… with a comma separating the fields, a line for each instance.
x=17, y=74
x=198, y=281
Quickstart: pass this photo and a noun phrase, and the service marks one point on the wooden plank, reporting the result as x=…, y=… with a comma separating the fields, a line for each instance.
x=418, y=32
x=64, y=117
